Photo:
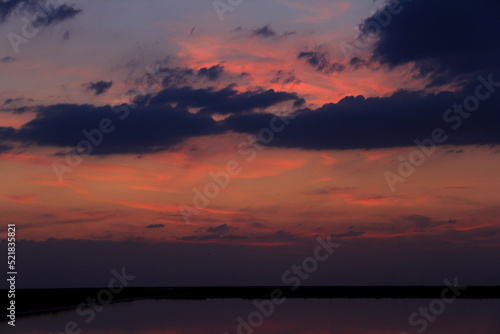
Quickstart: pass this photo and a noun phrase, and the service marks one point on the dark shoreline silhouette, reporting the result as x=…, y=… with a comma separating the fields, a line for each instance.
x=37, y=301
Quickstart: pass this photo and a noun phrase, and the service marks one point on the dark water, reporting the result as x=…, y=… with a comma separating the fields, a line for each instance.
x=319, y=316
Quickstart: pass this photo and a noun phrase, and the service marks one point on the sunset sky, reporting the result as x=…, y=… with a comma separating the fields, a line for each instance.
x=292, y=119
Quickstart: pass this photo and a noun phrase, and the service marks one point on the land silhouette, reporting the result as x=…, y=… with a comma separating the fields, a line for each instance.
x=37, y=301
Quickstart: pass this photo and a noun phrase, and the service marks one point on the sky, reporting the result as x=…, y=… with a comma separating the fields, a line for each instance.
x=213, y=142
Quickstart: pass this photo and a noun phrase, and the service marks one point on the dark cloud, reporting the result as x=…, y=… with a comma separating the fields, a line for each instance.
x=210, y=237
x=221, y=232
x=56, y=15
x=162, y=121
x=44, y=11
x=299, y=103
x=10, y=107
x=257, y=225
x=320, y=60
x=282, y=234
x=224, y=101
x=347, y=234
x=16, y=100
x=7, y=59
x=219, y=229
x=8, y=7
x=5, y=148
x=174, y=76
x=153, y=125
x=182, y=76
x=379, y=122
x=357, y=62
x=448, y=40
x=218, y=232
x=155, y=226
x=6, y=133
x=211, y=73
x=146, y=129
x=267, y=32
x=264, y=31
x=422, y=223
x=99, y=87
x=328, y=191
x=284, y=78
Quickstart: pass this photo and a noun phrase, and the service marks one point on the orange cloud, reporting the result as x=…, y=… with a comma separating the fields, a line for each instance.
x=376, y=200
x=26, y=158
x=21, y=199
x=75, y=186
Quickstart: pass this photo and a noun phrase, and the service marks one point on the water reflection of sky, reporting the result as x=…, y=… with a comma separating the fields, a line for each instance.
x=294, y=316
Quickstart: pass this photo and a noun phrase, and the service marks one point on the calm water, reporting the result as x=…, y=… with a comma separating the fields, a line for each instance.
x=302, y=316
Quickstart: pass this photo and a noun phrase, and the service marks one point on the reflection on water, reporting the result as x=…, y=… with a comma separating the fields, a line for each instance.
x=293, y=316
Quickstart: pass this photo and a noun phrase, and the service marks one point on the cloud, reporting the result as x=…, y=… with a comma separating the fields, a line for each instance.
x=422, y=223
x=44, y=11
x=219, y=232
x=382, y=122
x=282, y=234
x=320, y=60
x=219, y=229
x=156, y=226
x=210, y=237
x=329, y=190
x=174, y=76
x=21, y=198
x=155, y=125
x=160, y=122
x=267, y=32
x=224, y=101
x=447, y=41
x=257, y=225
x=211, y=73
x=146, y=129
x=56, y=15
x=7, y=59
x=349, y=234
x=264, y=31
x=357, y=62
x=284, y=78
x=6, y=133
x=5, y=148
x=16, y=101
x=182, y=76
x=8, y=7
x=99, y=87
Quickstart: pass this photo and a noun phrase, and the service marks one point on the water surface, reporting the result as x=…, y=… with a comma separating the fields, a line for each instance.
x=304, y=316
